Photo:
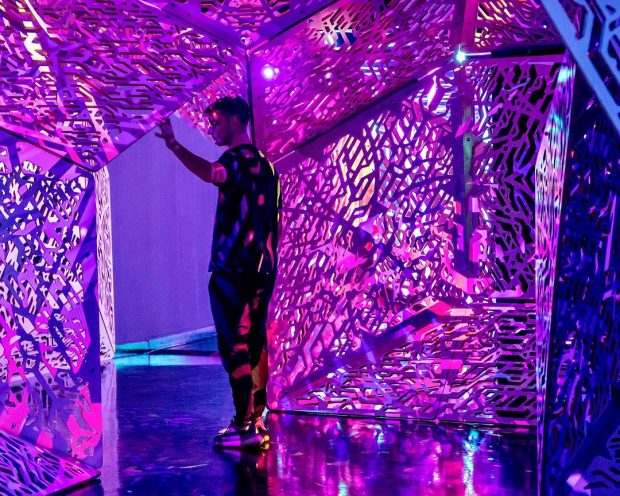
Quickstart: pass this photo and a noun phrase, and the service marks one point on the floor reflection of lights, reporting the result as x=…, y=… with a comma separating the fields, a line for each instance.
x=162, y=411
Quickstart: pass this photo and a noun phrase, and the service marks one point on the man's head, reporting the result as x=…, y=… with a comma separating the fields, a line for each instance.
x=228, y=118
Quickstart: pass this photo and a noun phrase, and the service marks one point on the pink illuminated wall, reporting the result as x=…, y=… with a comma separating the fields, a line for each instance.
x=82, y=81
x=85, y=79
x=105, y=286
x=241, y=22
x=492, y=25
x=430, y=242
x=407, y=282
x=335, y=63
x=27, y=470
x=49, y=369
x=342, y=58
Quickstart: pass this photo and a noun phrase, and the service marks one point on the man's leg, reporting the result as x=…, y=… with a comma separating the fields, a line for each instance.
x=258, y=341
x=231, y=313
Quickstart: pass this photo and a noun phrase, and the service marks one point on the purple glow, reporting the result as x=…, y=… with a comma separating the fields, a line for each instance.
x=380, y=273
x=269, y=72
x=88, y=92
x=49, y=314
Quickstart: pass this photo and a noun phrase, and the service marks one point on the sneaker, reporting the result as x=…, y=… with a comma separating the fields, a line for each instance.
x=261, y=429
x=237, y=436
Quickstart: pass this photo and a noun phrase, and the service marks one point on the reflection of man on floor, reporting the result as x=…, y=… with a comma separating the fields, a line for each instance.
x=243, y=260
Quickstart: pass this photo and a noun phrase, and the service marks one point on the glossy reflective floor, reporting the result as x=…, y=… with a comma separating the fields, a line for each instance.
x=162, y=411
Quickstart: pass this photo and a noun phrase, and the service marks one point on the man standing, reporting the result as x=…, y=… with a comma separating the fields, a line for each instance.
x=243, y=260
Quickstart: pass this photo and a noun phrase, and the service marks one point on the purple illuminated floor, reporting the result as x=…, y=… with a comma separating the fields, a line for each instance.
x=162, y=411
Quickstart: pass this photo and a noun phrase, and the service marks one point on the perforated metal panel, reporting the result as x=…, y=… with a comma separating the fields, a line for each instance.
x=49, y=367
x=583, y=342
x=405, y=291
x=28, y=470
x=85, y=79
x=590, y=30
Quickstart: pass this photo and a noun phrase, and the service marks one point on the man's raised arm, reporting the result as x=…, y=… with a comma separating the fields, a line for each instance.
x=211, y=172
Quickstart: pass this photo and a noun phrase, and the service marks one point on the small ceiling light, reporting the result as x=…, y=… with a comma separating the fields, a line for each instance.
x=269, y=72
x=460, y=56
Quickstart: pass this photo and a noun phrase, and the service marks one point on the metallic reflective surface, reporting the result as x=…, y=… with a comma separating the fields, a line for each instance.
x=159, y=422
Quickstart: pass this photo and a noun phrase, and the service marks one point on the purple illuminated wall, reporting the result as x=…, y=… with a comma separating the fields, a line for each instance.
x=27, y=470
x=85, y=79
x=414, y=282
x=241, y=22
x=82, y=82
x=407, y=285
x=550, y=172
x=105, y=286
x=580, y=426
x=338, y=61
x=590, y=30
x=49, y=368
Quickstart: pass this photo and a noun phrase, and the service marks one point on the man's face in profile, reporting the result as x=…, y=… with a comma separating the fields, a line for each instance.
x=221, y=127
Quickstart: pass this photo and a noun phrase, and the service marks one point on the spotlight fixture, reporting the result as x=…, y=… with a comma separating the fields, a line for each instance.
x=269, y=72
x=460, y=56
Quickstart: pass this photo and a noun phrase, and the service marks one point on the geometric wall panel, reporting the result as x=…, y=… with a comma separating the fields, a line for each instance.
x=233, y=82
x=401, y=288
x=242, y=22
x=105, y=282
x=584, y=342
x=550, y=173
x=336, y=62
x=28, y=470
x=349, y=54
x=49, y=337
x=508, y=23
x=591, y=31
x=489, y=24
x=85, y=79
x=503, y=137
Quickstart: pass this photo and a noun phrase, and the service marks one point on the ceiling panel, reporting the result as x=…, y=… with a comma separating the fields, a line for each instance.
x=242, y=22
x=86, y=78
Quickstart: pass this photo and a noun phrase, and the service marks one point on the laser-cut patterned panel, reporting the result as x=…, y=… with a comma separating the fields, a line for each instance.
x=476, y=368
x=509, y=107
x=491, y=376
x=340, y=60
x=26, y=470
x=370, y=284
x=550, y=172
x=233, y=82
x=584, y=356
x=86, y=78
x=510, y=23
x=105, y=282
x=244, y=21
x=49, y=373
x=591, y=31
x=602, y=475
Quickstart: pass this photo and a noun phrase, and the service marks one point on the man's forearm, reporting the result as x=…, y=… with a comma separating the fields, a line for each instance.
x=205, y=170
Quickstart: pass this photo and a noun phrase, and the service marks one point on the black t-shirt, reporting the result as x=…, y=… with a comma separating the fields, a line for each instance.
x=245, y=234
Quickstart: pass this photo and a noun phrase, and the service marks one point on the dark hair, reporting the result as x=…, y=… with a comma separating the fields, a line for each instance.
x=236, y=106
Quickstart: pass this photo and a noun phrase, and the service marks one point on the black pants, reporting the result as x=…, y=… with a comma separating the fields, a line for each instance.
x=240, y=304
